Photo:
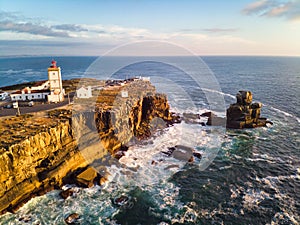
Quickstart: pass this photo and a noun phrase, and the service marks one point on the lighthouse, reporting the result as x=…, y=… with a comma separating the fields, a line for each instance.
x=55, y=83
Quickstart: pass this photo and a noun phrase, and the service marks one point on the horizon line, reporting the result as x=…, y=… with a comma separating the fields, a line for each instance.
x=204, y=55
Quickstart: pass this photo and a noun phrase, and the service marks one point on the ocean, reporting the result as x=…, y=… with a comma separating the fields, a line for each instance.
x=250, y=176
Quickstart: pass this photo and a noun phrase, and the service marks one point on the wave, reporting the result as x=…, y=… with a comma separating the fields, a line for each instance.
x=11, y=71
x=285, y=113
x=147, y=164
x=219, y=92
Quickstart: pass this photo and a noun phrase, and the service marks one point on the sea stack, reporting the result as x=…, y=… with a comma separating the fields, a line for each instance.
x=244, y=113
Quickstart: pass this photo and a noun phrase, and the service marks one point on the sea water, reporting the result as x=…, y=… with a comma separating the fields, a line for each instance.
x=254, y=177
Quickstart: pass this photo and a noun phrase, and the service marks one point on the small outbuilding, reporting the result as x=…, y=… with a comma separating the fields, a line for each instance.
x=124, y=94
x=84, y=92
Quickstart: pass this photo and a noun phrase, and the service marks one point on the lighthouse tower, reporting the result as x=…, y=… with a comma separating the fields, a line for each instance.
x=55, y=83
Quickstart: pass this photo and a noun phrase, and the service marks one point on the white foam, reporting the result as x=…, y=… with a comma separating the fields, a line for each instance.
x=11, y=71
x=146, y=164
x=219, y=92
x=285, y=113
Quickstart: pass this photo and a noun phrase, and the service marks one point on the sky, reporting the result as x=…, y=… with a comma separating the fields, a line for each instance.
x=153, y=27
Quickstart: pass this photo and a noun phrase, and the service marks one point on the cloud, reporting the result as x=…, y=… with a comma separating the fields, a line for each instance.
x=274, y=8
x=31, y=36
x=13, y=22
x=221, y=30
x=69, y=27
x=211, y=30
x=258, y=7
x=51, y=47
x=47, y=43
x=9, y=15
x=30, y=28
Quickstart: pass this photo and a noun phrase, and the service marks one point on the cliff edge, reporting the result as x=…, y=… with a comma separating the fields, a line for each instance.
x=41, y=152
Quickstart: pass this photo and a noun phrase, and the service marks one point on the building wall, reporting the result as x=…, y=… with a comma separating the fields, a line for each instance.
x=55, y=83
x=42, y=86
x=55, y=97
x=29, y=96
x=84, y=93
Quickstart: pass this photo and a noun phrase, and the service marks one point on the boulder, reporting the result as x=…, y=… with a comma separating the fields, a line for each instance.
x=122, y=200
x=87, y=177
x=213, y=119
x=180, y=152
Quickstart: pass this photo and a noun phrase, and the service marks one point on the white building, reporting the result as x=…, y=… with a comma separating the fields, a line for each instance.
x=84, y=92
x=145, y=78
x=41, y=85
x=27, y=94
x=142, y=78
x=50, y=90
x=124, y=94
x=3, y=95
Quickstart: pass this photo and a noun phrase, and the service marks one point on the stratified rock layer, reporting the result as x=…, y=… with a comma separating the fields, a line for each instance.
x=37, y=162
x=38, y=153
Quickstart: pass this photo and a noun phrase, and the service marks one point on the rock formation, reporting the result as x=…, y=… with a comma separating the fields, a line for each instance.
x=38, y=154
x=244, y=113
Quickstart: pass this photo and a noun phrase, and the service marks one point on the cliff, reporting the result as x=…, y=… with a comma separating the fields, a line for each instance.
x=35, y=155
x=38, y=153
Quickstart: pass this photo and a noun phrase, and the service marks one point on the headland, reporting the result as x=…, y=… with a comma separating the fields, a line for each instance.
x=39, y=152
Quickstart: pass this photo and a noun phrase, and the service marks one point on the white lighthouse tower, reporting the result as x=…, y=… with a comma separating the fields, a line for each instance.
x=55, y=83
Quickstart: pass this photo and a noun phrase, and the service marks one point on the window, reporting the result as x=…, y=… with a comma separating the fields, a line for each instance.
x=39, y=96
x=20, y=97
x=32, y=96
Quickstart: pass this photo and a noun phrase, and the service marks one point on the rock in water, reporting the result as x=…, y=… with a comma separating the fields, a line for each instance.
x=87, y=177
x=66, y=193
x=72, y=218
x=244, y=113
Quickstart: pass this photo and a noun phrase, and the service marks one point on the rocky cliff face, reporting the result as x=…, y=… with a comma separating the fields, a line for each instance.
x=38, y=153
x=134, y=116
x=37, y=163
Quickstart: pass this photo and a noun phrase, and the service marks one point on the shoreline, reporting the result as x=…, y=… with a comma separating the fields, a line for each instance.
x=40, y=150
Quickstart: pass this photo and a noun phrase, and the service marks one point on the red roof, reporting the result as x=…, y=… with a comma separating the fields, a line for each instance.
x=16, y=92
x=40, y=91
x=53, y=64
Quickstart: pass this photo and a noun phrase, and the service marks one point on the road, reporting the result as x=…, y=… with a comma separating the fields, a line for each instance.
x=35, y=108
